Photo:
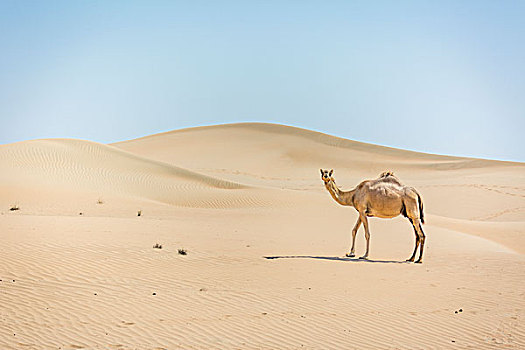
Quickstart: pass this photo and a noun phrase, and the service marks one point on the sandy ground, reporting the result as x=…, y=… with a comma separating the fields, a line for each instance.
x=265, y=242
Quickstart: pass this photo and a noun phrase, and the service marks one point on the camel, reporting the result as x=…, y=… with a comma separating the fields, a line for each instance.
x=384, y=197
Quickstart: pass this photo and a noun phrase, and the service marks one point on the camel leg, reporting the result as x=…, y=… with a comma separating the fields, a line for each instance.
x=354, y=232
x=417, y=241
x=417, y=224
x=364, y=219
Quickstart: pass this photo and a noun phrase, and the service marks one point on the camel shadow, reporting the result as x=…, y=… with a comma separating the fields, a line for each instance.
x=336, y=258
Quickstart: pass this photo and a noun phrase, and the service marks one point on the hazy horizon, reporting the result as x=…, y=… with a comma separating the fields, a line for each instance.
x=444, y=78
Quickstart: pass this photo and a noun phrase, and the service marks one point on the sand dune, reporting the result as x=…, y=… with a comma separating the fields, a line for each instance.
x=265, y=267
x=100, y=171
x=287, y=157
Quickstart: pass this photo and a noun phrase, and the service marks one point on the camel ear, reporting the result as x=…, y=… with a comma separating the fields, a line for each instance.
x=331, y=172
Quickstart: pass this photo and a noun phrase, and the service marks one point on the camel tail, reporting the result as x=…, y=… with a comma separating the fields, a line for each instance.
x=421, y=214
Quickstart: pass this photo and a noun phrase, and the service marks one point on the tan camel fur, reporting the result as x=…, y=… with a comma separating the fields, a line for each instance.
x=384, y=197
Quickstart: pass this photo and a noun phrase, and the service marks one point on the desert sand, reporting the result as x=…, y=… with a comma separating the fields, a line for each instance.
x=265, y=243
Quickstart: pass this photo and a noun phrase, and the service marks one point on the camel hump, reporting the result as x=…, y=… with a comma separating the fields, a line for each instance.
x=386, y=174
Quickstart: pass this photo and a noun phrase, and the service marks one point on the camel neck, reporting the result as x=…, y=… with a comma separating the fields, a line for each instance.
x=341, y=197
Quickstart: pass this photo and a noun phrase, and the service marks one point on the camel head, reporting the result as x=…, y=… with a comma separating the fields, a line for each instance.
x=326, y=175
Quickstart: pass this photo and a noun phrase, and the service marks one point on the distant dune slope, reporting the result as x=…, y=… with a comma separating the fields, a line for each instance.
x=61, y=164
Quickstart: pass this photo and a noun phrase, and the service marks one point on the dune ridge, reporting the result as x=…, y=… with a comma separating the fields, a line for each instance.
x=325, y=139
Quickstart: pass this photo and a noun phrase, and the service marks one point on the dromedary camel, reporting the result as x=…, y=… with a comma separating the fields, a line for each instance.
x=384, y=197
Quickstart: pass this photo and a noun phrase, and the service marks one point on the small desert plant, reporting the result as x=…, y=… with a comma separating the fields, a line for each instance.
x=100, y=201
x=139, y=213
x=157, y=246
x=14, y=207
x=183, y=251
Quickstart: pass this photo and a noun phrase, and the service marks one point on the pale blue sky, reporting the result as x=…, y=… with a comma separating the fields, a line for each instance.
x=443, y=77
